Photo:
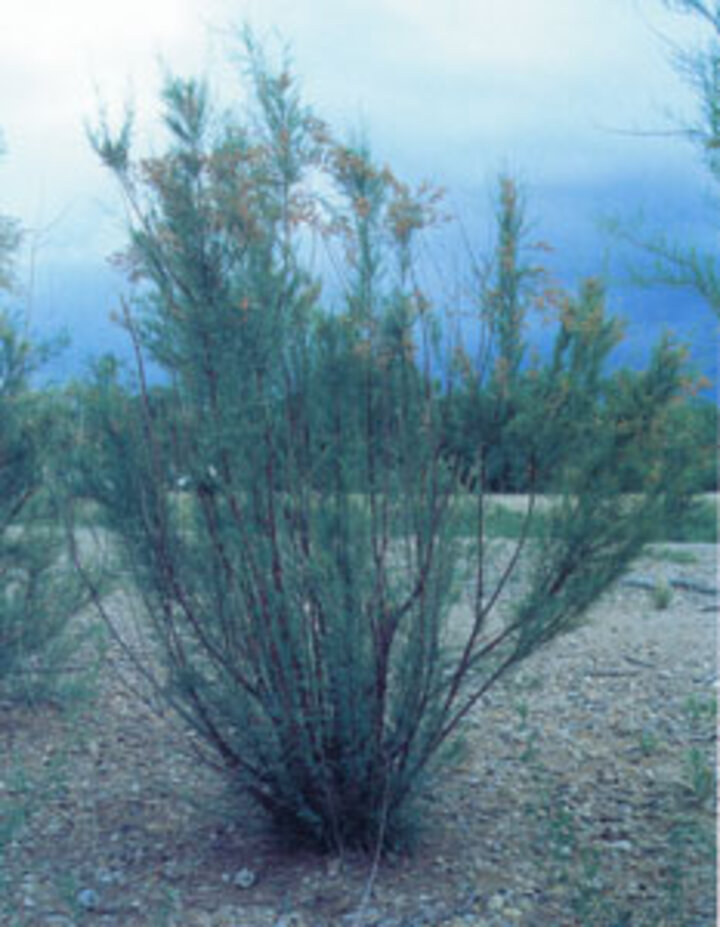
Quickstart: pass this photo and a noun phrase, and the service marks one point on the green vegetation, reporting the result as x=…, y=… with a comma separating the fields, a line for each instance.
x=688, y=266
x=673, y=263
x=700, y=711
x=38, y=592
x=306, y=495
x=697, y=523
x=308, y=486
x=662, y=595
x=566, y=843
x=672, y=556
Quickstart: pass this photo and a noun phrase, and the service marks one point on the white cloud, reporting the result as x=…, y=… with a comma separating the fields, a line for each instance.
x=56, y=61
x=454, y=90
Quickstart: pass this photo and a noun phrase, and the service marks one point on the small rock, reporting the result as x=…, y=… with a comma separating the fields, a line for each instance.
x=496, y=903
x=88, y=899
x=294, y=919
x=370, y=916
x=110, y=876
x=624, y=846
x=513, y=914
x=244, y=878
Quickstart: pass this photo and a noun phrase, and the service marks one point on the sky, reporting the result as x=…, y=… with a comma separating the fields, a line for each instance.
x=576, y=98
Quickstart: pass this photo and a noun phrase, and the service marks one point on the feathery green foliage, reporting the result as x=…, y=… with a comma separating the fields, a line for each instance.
x=37, y=594
x=287, y=500
x=675, y=263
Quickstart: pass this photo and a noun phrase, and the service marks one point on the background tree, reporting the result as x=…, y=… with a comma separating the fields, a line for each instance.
x=38, y=596
x=9, y=241
x=492, y=421
x=675, y=263
x=701, y=68
x=299, y=590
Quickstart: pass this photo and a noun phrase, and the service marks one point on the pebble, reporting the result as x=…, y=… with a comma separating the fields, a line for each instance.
x=496, y=903
x=293, y=919
x=110, y=876
x=88, y=898
x=244, y=878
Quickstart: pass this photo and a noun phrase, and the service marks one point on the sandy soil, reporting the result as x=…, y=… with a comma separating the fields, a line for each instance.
x=583, y=795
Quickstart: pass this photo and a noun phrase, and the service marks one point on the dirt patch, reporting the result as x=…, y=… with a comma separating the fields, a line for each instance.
x=583, y=795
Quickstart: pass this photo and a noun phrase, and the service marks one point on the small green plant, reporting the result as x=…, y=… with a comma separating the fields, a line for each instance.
x=648, y=742
x=700, y=709
x=528, y=734
x=529, y=683
x=562, y=833
x=661, y=595
x=700, y=777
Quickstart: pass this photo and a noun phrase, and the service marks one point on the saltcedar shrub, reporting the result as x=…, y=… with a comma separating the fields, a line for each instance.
x=286, y=496
x=39, y=593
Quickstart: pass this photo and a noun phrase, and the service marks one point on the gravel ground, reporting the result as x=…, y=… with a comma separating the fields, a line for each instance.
x=584, y=795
